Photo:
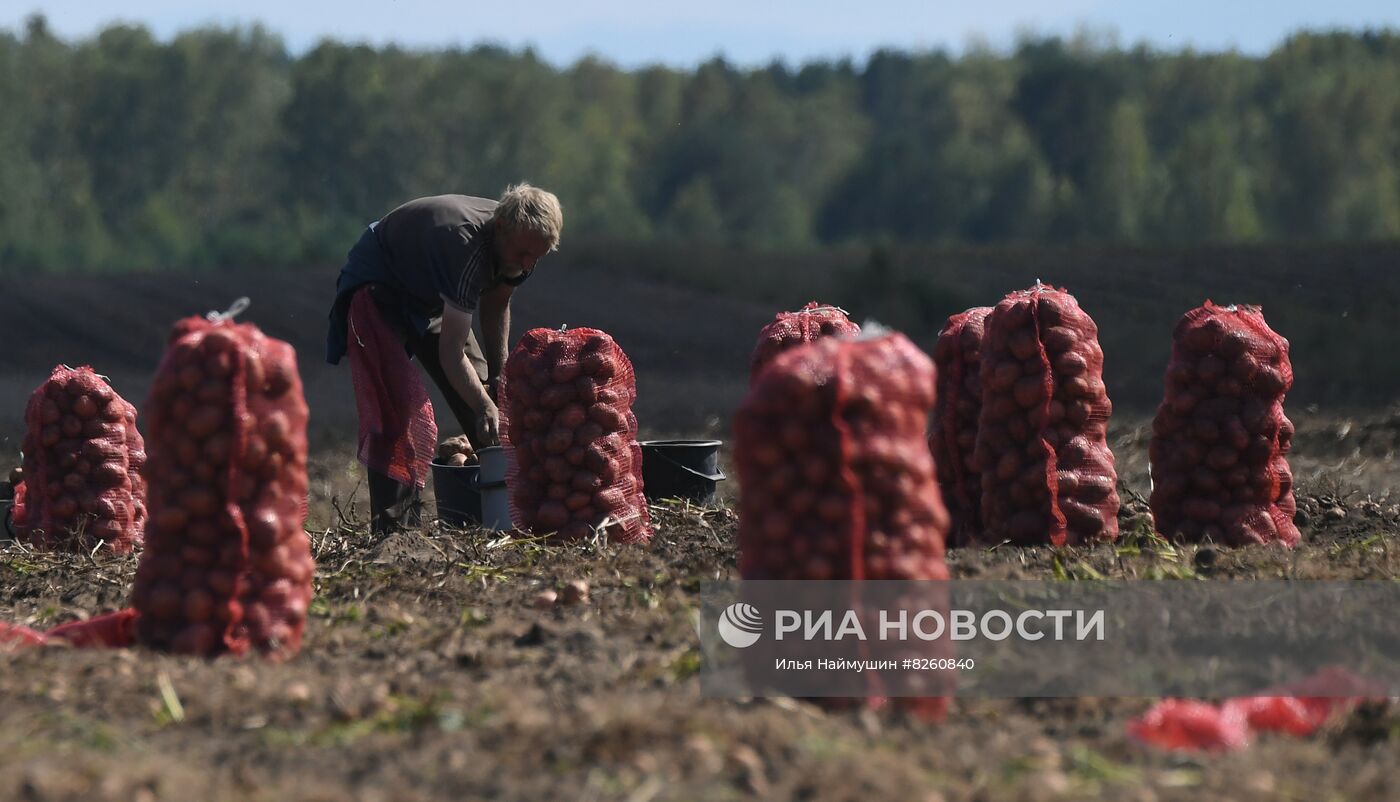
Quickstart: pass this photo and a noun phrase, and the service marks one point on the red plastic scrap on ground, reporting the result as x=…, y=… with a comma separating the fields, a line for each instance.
x=112, y=631
x=791, y=329
x=958, y=358
x=574, y=464
x=1286, y=714
x=82, y=467
x=14, y=637
x=1295, y=708
x=1220, y=440
x=1186, y=725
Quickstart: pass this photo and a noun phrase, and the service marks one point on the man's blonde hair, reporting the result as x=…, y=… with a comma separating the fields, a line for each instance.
x=526, y=208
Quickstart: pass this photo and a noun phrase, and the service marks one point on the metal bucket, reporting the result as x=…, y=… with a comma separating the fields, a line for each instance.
x=491, y=484
x=684, y=469
x=458, y=500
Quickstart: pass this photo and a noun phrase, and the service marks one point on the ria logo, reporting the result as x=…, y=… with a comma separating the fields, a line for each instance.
x=740, y=625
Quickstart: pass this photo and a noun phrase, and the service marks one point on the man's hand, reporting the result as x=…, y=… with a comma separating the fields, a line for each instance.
x=489, y=427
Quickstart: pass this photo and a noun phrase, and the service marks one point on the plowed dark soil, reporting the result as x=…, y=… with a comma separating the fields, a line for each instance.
x=428, y=672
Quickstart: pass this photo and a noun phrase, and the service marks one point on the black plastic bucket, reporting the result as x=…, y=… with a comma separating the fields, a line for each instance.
x=7, y=509
x=458, y=499
x=684, y=469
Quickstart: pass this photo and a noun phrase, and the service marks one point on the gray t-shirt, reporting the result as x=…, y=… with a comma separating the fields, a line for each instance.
x=440, y=250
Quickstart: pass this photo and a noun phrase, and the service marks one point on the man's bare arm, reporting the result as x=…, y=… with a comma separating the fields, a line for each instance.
x=452, y=344
x=495, y=328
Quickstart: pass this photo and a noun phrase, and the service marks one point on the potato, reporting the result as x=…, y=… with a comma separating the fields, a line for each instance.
x=70, y=426
x=1183, y=403
x=1019, y=429
x=1075, y=388
x=571, y=417
x=1210, y=368
x=565, y=372
x=1080, y=412
x=1172, y=486
x=992, y=440
x=1059, y=339
x=557, y=396
x=535, y=447
x=608, y=417
x=1094, y=487
x=1000, y=408
x=558, y=469
x=1029, y=391
x=609, y=498
x=64, y=507
x=1198, y=509
x=815, y=471
x=84, y=407
x=163, y=601
x=558, y=440
x=1003, y=376
x=1270, y=382
x=1070, y=364
x=1007, y=467
x=1222, y=458
x=1086, y=521
x=109, y=474
x=1024, y=344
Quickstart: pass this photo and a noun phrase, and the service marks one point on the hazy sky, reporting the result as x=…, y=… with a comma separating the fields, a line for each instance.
x=632, y=32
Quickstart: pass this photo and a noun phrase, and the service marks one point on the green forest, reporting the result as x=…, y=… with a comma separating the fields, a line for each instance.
x=220, y=148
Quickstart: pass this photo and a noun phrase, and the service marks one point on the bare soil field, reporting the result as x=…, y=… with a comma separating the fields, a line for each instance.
x=428, y=672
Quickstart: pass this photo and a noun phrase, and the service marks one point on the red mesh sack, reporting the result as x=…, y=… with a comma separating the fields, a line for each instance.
x=227, y=564
x=82, y=461
x=1042, y=439
x=837, y=479
x=790, y=329
x=574, y=465
x=1220, y=440
x=958, y=359
x=836, y=476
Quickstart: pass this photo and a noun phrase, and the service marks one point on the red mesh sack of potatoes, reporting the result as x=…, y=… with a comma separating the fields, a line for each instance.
x=82, y=467
x=837, y=480
x=958, y=359
x=227, y=565
x=575, y=467
x=1220, y=440
x=1047, y=472
x=790, y=329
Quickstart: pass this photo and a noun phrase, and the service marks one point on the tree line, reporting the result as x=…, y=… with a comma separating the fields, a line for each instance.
x=220, y=148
